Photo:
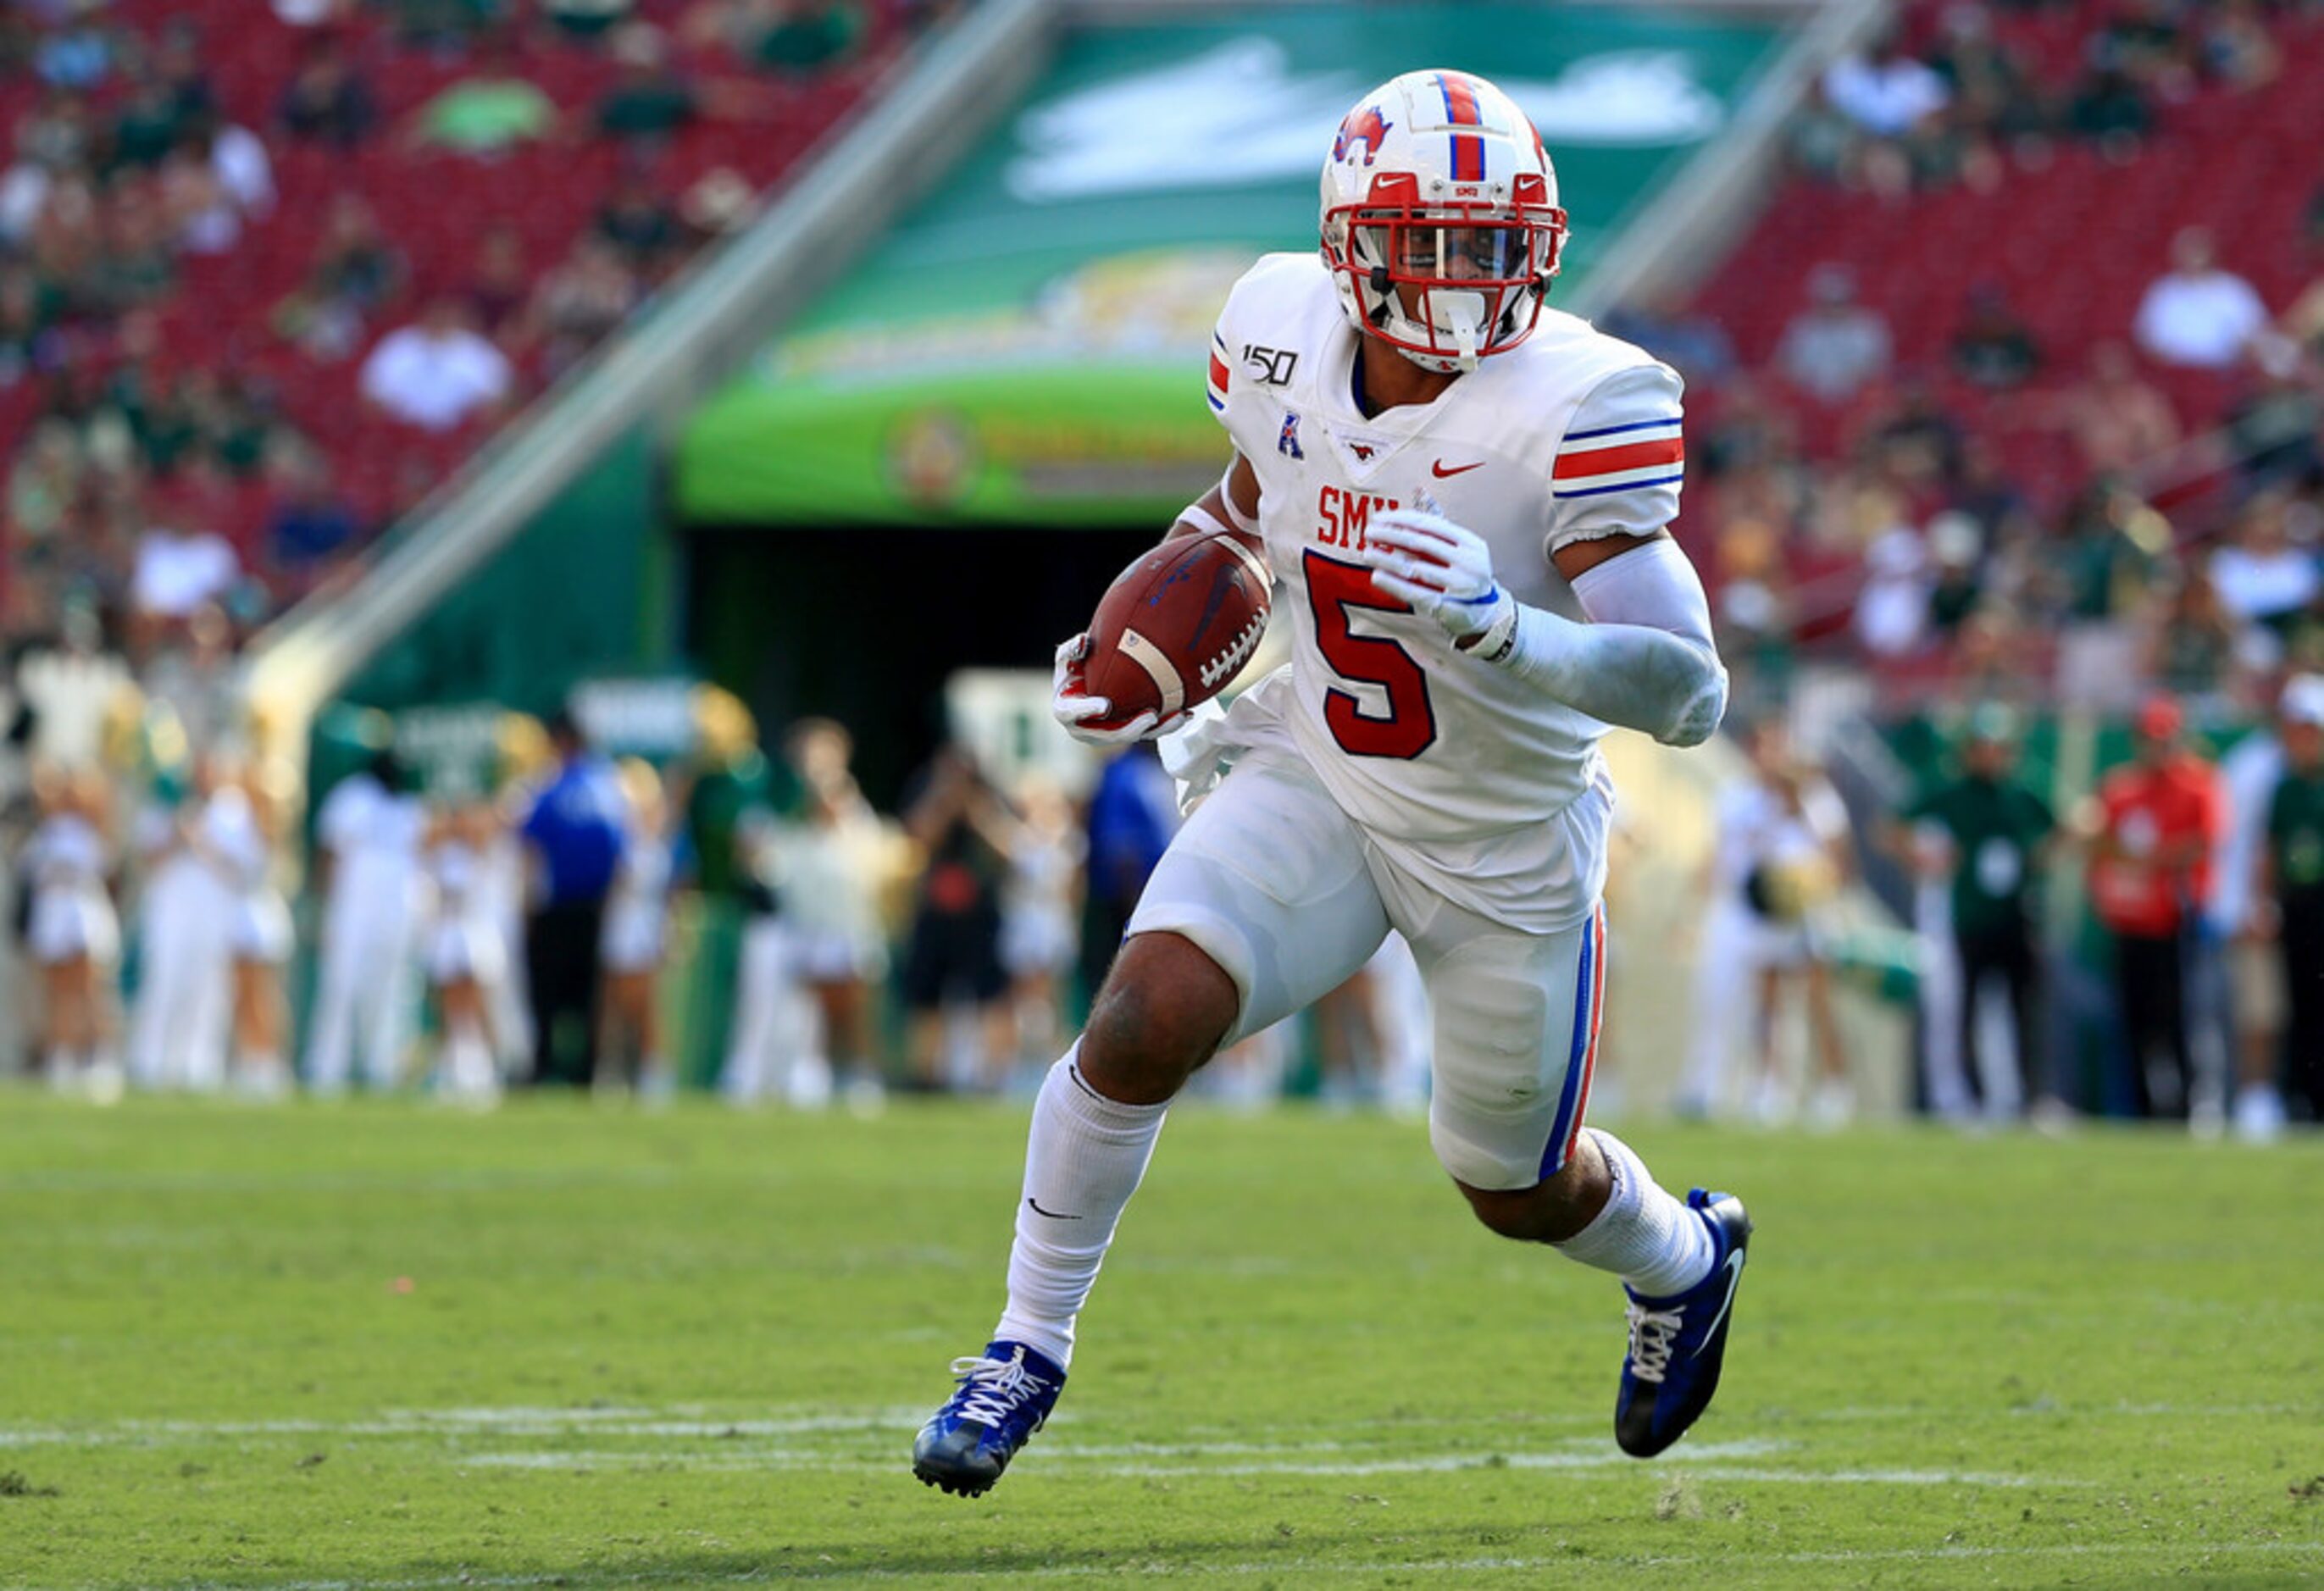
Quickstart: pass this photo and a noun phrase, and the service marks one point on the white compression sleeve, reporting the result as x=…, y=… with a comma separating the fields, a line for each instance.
x=1645, y=661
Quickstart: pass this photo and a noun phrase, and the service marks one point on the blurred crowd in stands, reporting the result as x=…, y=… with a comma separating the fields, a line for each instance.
x=270, y=271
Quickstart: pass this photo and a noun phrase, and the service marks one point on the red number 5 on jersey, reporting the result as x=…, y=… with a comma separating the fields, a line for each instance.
x=1409, y=726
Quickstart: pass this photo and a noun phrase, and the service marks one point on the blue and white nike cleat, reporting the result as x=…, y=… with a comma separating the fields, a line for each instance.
x=1676, y=1344
x=1003, y=1398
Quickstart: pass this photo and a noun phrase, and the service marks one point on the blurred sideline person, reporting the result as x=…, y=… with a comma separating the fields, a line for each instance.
x=72, y=934
x=2243, y=914
x=826, y=868
x=464, y=953
x=574, y=832
x=236, y=838
x=1463, y=801
x=367, y=841
x=637, y=930
x=1730, y=945
x=1997, y=833
x=182, y=1011
x=2295, y=877
x=2151, y=828
x=953, y=957
x=1800, y=860
x=1040, y=914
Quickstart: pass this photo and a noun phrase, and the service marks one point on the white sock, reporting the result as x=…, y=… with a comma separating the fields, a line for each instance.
x=1082, y=1161
x=1651, y=1240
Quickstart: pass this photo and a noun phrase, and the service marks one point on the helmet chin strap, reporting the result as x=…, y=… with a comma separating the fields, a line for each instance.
x=1461, y=316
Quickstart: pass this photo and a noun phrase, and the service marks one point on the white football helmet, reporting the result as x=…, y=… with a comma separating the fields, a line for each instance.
x=1440, y=225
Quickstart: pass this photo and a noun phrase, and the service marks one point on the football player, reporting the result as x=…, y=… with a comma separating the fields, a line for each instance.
x=1463, y=497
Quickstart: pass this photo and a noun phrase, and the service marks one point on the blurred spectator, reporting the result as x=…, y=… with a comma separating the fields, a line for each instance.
x=2191, y=648
x=487, y=114
x=1955, y=556
x=1883, y=89
x=310, y=13
x=1891, y=614
x=2152, y=828
x=961, y=824
x=368, y=837
x=1798, y=860
x=2273, y=428
x=1041, y=915
x=1994, y=347
x=1695, y=345
x=637, y=925
x=500, y=285
x=1992, y=92
x=581, y=302
x=325, y=101
x=586, y=19
x=72, y=932
x=308, y=527
x=574, y=832
x=146, y=126
x=2243, y=911
x=2107, y=554
x=2197, y=314
x=356, y=274
x=199, y=685
x=180, y=568
x=651, y=98
x=2262, y=575
x=638, y=221
x=2111, y=110
x=827, y=875
x=1999, y=831
x=2118, y=420
x=463, y=951
x=69, y=688
x=1835, y=346
x=438, y=373
x=446, y=25
x=2295, y=870
x=2238, y=50
x=799, y=38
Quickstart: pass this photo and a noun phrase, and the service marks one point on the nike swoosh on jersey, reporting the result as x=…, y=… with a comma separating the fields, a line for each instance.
x=1734, y=1263
x=1053, y=1215
x=1438, y=470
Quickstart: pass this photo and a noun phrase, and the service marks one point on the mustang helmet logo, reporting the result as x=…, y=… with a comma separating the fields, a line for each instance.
x=1367, y=127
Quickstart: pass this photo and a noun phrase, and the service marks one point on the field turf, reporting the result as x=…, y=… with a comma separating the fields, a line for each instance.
x=386, y=1345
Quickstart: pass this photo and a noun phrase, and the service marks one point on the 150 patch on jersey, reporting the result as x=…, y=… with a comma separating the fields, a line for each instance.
x=1273, y=366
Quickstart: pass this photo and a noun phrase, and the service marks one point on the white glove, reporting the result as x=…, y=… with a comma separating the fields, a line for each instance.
x=1073, y=706
x=1436, y=568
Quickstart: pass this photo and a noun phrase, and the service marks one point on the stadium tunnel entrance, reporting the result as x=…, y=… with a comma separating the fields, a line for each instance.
x=866, y=624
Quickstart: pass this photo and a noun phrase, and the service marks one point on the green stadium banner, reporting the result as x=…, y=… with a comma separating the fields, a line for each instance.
x=1027, y=348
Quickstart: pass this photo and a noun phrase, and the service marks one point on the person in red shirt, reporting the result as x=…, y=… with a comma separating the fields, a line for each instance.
x=2152, y=828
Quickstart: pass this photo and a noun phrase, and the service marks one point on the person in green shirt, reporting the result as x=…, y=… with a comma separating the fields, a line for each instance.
x=485, y=115
x=2000, y=832
x=2295, y=868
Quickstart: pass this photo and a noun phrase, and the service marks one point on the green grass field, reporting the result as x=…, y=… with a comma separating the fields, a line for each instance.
x=559, y=1346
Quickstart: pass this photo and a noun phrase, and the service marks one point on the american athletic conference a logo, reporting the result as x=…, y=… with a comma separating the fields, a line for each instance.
x=1286, y=441
x=1367, y=127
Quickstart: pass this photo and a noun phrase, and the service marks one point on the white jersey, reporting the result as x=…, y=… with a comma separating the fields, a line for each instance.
x=1470, y=775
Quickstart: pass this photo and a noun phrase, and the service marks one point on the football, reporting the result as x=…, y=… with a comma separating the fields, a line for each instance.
x=1176, y=625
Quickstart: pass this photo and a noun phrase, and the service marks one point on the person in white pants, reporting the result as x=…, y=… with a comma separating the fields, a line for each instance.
x=178, y=1022
x=235, y=838
x=368, y=839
